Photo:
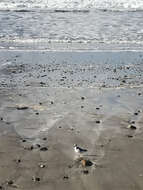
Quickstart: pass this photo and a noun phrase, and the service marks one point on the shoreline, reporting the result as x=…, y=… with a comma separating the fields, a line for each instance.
x=39, y=124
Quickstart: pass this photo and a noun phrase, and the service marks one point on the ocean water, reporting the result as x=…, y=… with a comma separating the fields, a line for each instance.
x=71, y=24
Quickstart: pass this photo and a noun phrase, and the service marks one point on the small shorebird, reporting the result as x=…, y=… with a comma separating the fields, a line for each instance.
x=77, y=149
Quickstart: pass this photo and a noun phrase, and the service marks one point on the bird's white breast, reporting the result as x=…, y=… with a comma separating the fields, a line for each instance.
x=76, y=149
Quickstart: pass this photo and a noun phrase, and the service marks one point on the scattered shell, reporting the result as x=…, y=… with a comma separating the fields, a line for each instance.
x=85, y=163
x=35, y=179
x=133, y=127
x=42, y=166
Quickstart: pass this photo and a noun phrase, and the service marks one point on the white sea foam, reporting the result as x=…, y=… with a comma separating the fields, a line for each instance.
x=72, y=4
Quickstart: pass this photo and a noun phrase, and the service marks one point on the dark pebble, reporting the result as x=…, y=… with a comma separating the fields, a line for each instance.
x=40, y=103
x=10, y=182
x=24, y=140
x=22, y=108
x=82, y=98
x=37, y=113
x=36, y=179
x=1, y=119
x=52, y=102
x=44, y=139
x=97, y=108
x=133, y=127
x=44, y=149
x=129, y=136
x=60, y=127
x=85, y=171
x=42, y=83
x=38, y=145
x=135, y=113
x=31, y=148
x=82, y=106
x=65, y=177
x=1, y=187
x=98, y=121
x=139, y=94
x=18, y=161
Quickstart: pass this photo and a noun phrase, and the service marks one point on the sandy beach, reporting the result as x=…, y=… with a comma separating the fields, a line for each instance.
x=50, y=101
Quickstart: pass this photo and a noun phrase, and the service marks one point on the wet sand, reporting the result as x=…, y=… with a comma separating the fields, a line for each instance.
x=42, y=118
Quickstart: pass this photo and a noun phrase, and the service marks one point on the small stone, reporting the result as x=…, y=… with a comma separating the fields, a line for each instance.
x=31, y=148
x=65, y=177
x=82, y=98
x=82, y=106
x=35, y=179
x=18, y=161
x=130, y=136
x=97, y=108
x=10, y=182
x=38, y=145
x=43, y=149
x=22, y=107
x=42, y=166
x=60, y=127
x=139, y=94
x=133, y=127
x=85, y=163
x=24, y=140
x=42, y=83
x=52, y=102
x=37, y=113
x=1, y=187
x=135, y=113
x=40, y=103
x=1, y=118
x=85, y=172
x=44, y=139
x=98, y=121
